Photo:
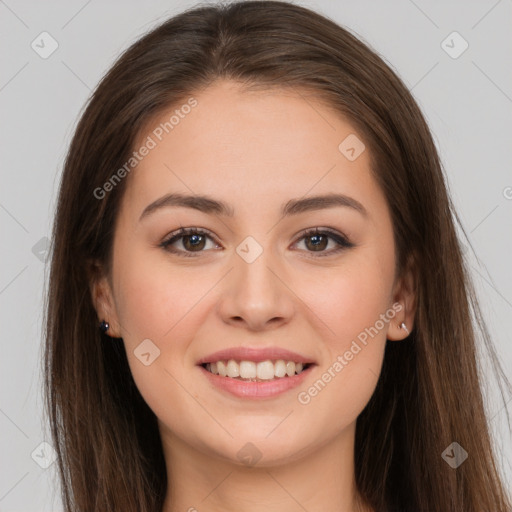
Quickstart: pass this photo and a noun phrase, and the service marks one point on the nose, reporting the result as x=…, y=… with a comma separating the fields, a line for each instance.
x=255, y=295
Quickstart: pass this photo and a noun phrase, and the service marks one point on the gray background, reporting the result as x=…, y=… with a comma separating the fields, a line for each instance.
x=467, y=101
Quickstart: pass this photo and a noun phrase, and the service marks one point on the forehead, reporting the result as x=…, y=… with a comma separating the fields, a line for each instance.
x=251, y=148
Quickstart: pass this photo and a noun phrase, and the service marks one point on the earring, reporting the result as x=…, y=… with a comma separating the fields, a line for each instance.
x=404, y=327
x=104, y=326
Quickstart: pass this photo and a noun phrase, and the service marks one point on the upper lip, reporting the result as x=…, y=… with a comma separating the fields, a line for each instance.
x=254, y=354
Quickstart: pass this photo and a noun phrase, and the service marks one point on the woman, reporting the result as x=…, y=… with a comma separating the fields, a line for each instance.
x=254, y=213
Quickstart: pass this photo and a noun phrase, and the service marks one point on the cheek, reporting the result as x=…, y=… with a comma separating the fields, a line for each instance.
x=354, y=296
x=155, y=296
x=162, y=304
x=355, y=308
x=162, y=301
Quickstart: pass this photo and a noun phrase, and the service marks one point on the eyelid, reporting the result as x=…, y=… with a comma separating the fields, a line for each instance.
x=340, y=239
x=181, y=233
x=322, y=231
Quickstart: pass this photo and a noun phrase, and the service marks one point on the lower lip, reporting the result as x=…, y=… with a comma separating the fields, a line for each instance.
x=247, y=389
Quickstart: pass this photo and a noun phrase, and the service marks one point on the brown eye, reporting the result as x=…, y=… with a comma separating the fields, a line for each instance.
x=317, y=242
x=194, y=242
x=188, y=241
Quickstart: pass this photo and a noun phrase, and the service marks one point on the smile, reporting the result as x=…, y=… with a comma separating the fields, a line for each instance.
x=252, y=371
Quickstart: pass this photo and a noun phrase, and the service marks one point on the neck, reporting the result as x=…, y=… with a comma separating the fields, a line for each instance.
x=322, y=479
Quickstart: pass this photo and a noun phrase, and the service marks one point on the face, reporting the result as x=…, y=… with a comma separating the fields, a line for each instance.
x=272, y=271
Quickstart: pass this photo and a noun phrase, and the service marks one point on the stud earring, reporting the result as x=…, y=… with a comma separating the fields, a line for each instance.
x=404, y=327
x=104, y=326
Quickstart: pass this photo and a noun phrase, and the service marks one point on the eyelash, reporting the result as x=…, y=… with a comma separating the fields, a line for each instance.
x=343, y=243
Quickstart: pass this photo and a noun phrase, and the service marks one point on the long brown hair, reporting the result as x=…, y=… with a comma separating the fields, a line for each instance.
x=429, y=393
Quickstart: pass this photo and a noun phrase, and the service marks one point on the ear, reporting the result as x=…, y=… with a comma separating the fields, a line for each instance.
x=103, y=298
x=404, y=293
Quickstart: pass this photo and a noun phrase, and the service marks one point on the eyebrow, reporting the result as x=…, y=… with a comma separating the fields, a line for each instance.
x=209, y=205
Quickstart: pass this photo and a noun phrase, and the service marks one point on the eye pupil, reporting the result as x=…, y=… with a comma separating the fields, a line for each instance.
x=194, y=241
x=318, y=244
x=197, y=243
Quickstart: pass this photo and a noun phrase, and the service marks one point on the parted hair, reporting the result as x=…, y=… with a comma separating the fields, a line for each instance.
x=430, y=392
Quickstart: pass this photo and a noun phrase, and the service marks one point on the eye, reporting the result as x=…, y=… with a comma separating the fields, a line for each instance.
x=195, y=240
x=317, y=240
x=191, y=240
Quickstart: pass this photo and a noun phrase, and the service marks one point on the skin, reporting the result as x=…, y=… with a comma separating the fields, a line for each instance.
x=255, y=151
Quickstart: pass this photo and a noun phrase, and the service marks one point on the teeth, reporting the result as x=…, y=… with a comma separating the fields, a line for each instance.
x=221, y=368
x=249, y=370
x=232, y=369
x=265, y=370
x=280, y=368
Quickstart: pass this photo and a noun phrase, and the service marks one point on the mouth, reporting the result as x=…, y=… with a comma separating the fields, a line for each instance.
x=256, y=371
